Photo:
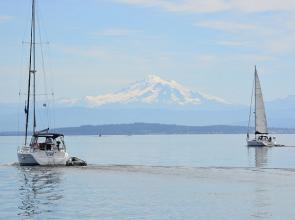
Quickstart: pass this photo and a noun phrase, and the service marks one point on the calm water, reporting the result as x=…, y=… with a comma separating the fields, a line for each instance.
x=153, y=177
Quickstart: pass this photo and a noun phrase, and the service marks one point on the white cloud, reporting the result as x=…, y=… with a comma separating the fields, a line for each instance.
x=218, y=59
x=254, y=58
x=91, y=52
x=206, y=58
x=233, y=43
x=226, y=25
x=192, y=6
x=272, y=33
x=250, y=6
x=196, y=6
x=281, y=44
x=205, y=6
x=117, y=32
x=273, y=37
x=4, y=18
x=142, y=2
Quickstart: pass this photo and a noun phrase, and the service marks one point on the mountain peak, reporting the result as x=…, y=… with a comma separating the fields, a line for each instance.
x=158, y=79
x=155, y=91
x=155, y=79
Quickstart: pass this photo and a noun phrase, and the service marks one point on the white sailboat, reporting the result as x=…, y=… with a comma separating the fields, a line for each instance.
x=45, y=148
x=261, y=138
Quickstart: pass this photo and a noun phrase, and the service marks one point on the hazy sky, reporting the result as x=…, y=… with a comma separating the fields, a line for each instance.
x=97, y=46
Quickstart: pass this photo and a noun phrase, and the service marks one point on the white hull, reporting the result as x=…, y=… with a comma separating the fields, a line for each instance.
x=29, y=157
x=260, y=143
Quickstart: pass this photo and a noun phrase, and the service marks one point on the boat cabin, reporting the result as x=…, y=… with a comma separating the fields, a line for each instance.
x=48, y=142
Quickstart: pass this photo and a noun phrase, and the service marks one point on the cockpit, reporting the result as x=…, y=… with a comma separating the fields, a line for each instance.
x=48, y=142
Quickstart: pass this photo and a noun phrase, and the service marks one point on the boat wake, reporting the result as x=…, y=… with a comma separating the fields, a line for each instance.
x=150, y=169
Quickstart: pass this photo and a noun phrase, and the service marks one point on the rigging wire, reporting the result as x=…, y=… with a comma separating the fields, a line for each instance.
x=51, y=82
x=20, y=80
x=23, y=67
x=46, y=104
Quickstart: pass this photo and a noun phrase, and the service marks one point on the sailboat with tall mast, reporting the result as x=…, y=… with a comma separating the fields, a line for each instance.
x=45, y=148
x=262, y=137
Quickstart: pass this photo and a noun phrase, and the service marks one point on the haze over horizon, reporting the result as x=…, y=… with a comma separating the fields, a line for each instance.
x=208, y=46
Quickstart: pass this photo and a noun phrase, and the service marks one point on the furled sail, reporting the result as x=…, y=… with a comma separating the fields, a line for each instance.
x=260, y=117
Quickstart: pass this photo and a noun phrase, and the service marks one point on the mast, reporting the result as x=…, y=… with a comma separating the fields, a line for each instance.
x=32, y=72
x=255, y=97
x=34, y=63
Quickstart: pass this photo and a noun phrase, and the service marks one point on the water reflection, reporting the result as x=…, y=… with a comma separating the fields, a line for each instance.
x=260, y=156
x=262, y=193
x=39, y=191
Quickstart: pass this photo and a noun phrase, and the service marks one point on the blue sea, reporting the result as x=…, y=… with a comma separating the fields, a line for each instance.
x=153, y=177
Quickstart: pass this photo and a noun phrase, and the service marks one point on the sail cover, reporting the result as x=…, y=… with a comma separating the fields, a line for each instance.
x=260, y=117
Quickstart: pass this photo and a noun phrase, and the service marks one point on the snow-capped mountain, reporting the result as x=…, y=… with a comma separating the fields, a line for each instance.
x=155, y=91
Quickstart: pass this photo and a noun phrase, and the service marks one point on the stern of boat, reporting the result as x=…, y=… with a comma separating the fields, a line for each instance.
x=25, y=157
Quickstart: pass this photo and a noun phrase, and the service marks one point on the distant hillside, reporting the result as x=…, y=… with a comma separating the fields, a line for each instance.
x=153, y=128
x=150, y=128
